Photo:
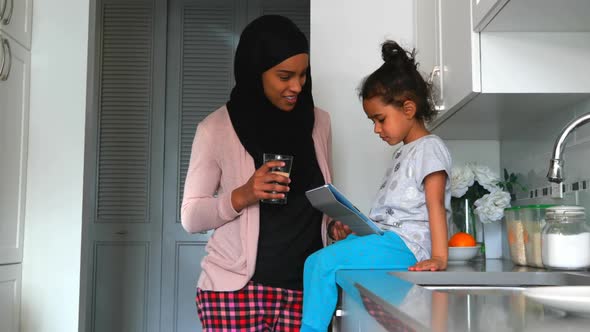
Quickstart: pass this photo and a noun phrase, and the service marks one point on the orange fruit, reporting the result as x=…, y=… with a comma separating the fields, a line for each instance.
x=462, y=239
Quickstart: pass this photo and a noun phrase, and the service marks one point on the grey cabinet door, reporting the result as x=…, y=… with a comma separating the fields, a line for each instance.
x=126, y=224
x=296, y=10
x=202, y=36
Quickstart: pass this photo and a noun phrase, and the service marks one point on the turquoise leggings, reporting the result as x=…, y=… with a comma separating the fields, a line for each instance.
x=320, y=292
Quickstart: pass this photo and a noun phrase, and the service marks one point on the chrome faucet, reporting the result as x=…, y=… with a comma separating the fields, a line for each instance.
x=555, y=173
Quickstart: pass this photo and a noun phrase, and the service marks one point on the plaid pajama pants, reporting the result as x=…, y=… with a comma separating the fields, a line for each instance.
x=254, y=308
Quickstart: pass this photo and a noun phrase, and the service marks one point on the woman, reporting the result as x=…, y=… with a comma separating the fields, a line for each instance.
x=252, y=274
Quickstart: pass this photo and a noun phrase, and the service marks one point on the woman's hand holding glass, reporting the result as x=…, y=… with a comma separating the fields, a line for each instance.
x=260, y=186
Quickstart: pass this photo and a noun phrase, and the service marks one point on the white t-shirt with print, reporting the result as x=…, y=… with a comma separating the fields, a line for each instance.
x=400, y=205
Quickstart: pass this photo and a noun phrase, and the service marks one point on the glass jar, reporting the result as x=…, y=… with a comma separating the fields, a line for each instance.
x=565, y=238
x=515, y=234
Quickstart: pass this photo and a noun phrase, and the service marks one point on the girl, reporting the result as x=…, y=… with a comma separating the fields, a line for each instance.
x=413, y=202
x=252, y=275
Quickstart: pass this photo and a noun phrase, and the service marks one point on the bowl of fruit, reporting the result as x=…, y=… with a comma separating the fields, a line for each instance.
x=462, y=247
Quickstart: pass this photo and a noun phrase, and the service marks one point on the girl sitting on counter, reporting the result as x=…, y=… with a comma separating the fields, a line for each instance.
x=413, y=202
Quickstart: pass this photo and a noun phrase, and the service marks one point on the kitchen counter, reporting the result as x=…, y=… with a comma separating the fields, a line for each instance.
x=476, y=296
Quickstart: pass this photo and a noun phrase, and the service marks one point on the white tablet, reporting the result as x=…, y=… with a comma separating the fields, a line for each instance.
x=333, y=203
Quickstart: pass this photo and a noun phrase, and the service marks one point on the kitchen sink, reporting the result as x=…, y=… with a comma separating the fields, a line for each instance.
x=488, y=279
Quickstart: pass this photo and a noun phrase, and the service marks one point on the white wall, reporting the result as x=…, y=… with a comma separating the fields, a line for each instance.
x=346, y=39
x=51, y=263
x=482, y=152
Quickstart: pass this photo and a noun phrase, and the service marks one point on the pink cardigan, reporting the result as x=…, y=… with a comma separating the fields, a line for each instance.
x=220, y=163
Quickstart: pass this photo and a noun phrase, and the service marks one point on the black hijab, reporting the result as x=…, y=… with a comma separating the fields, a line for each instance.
x=261, y=126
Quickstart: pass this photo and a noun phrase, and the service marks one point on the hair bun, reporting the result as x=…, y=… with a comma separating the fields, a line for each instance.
x=393, y=53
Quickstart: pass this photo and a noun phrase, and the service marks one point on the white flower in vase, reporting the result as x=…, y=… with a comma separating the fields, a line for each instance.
x=462, y=177
x=491, y=206
x=470, y=183
x=485, y=177
x=477, y=193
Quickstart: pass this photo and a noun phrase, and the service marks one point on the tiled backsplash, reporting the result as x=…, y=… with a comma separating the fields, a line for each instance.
x=528, y=155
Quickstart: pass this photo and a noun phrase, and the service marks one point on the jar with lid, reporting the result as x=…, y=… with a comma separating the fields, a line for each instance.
x=565, y=238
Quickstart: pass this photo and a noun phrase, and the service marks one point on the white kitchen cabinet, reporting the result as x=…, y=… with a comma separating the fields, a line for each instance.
x=483, y=11
x=10, y=297
x=459, y=54
x=491, y=81
x=428, y=55
x=448, y=51
x=15, y=20
x=14, y=113
x=530, y=15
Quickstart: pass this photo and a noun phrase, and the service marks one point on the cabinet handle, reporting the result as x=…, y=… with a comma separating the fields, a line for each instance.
x=6, y=60
x=438, y=97
x=121, y=233
x=435, y=72
x=6, y=19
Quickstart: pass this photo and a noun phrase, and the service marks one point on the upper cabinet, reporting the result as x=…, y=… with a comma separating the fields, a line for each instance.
x=14, y=125
x=15, y=60
x=15, y=20
x=489, y=80
x=448, y=52
x=531, y=15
